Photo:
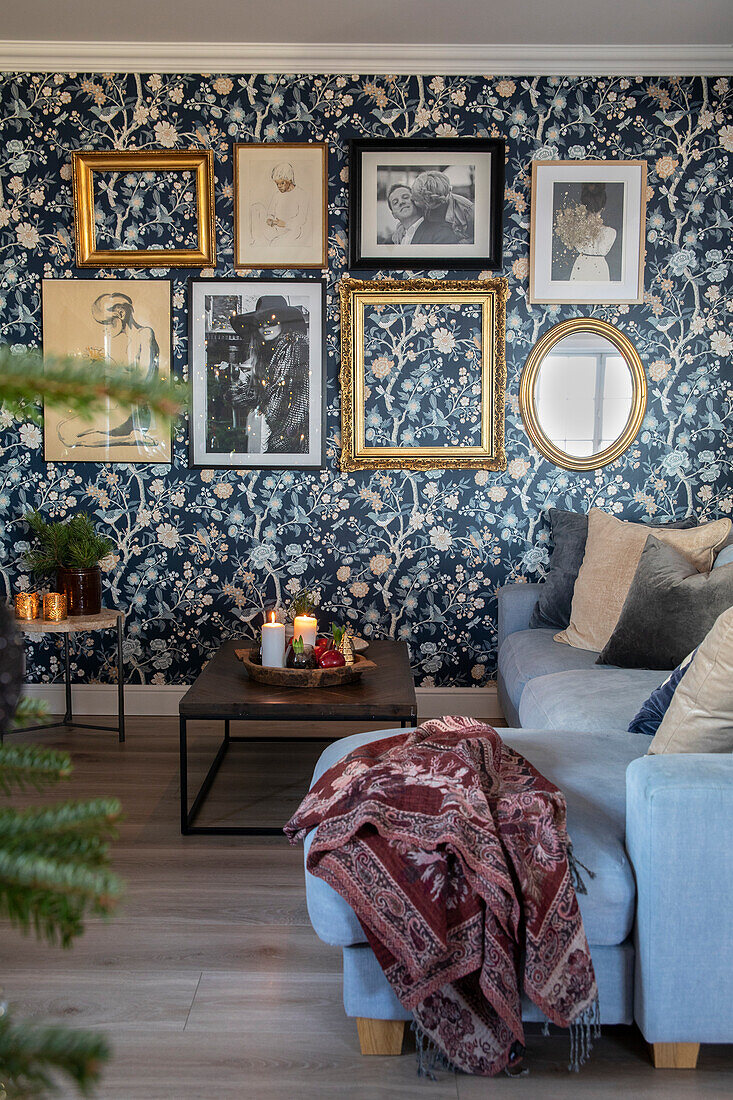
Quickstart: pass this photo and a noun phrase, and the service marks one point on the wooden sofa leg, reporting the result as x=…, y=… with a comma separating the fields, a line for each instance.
x=380, y=1036
x=675, y=1055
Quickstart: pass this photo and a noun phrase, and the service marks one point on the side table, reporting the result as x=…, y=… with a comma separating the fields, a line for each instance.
x=107, y=619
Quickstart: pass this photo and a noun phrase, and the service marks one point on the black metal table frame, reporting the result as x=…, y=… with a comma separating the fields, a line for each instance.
x=189, y=816
x=68, y=719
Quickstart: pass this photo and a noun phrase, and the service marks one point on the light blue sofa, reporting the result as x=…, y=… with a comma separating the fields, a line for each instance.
x=657, y=831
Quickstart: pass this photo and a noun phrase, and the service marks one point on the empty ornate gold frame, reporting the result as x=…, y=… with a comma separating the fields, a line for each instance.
x=529, y=380
x=198, y=161
x=490, y=295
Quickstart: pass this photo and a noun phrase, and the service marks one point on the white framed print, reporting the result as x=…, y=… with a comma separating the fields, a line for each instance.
x=281, y=205
x=587, y=231
x=256, y=356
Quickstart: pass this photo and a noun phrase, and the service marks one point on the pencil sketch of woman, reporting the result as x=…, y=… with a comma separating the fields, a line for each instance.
x=274, y=380
x=128, y=344
x=286, y=218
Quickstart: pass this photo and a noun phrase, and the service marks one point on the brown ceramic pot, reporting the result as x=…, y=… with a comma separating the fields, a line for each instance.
x=83, y=590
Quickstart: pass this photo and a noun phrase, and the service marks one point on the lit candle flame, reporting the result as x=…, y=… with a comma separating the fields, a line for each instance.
x=272, y=616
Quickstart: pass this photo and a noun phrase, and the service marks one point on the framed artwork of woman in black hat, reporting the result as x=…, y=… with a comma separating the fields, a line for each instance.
x=257, y=371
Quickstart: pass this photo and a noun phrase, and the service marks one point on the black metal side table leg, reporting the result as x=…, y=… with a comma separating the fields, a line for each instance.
x=183, y=754
x=120, y=682
x=69, y=716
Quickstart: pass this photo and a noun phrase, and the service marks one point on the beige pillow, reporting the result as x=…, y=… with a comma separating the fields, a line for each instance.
x=612, y=553
x=700, y=716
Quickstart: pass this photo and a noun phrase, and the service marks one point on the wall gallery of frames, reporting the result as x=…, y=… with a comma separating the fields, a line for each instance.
x=233, y=227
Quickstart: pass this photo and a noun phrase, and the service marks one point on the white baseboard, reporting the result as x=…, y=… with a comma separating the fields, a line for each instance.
x=154, y=701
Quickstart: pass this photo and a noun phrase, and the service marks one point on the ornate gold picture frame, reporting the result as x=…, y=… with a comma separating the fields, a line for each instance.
x=423, y=374
x=118, y=198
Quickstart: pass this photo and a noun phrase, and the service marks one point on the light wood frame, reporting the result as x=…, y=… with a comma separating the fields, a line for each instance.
x=491, y=295
x=274, y=148
x=528, y=383
x=547, y=166
x=199, y=161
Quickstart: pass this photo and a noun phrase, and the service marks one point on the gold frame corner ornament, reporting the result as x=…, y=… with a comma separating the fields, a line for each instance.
x=528, y=382
x=84, y=163
x=491, y=295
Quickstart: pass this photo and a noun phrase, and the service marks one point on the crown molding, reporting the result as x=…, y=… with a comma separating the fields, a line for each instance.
x=227, y=57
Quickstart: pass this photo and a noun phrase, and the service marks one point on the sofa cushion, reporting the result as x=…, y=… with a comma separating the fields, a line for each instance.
x=612, y=553
x=700, y=716
x=587, y=701
x=568, y=534
x=530, y=653
x=669, y=609
x=591, y=772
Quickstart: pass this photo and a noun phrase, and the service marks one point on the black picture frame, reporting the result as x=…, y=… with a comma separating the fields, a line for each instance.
x=371, y=255
x=253, y=287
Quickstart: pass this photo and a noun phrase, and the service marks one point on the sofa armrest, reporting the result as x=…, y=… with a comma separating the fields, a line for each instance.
x=679, y=837
x=516, y=604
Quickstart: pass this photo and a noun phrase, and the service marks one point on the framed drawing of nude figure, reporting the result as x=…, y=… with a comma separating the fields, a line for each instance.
x=280, y=205
x=121, y=321
x=587, y=234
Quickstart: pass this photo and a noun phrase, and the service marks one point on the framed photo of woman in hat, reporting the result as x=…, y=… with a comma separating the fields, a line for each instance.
x=418, y=203
x=122, y=321
x=281, y=205
x=257, y=360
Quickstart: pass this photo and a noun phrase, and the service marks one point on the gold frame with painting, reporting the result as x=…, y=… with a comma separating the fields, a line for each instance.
x=257, y=193
x=121, y=321
x=485, y=299
x=88, y=163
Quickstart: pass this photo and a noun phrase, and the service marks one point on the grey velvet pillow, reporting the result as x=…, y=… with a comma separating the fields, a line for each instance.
x=569, y=534
x=668, y=611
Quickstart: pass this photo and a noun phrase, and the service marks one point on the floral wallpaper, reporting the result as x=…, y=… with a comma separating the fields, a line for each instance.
x=435, y=356
x=416, y=556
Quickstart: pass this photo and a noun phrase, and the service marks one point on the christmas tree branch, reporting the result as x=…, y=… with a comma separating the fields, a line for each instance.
x=23, y=766
x=27, y=378
x=30, y=1055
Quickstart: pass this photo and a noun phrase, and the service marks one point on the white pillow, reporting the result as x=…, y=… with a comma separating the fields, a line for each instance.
x=700, y=716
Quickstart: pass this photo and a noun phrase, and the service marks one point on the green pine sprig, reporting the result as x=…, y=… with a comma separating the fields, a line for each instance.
x=23, y=766
x=80, y=385
x=31, y=1058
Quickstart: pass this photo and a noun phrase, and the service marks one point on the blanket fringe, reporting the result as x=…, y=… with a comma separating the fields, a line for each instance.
x=430, y=1058
x=583, y=1030
x=576, y=878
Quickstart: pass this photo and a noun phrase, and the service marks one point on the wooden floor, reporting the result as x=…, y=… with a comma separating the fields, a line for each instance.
x=210, y=981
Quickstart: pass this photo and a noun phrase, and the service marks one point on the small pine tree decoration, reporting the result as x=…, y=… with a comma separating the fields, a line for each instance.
x=54, y=866
x=54, y=870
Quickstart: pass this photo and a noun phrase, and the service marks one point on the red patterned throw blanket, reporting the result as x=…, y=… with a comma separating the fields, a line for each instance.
x=452, y=850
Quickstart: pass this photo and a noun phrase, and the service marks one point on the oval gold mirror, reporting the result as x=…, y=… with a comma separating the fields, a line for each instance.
x=583, y=394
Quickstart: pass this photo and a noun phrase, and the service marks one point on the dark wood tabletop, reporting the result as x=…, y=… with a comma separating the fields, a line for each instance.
x=223, y=690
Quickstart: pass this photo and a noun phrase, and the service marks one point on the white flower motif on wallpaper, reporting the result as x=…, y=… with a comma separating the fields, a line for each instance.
x=406, y=555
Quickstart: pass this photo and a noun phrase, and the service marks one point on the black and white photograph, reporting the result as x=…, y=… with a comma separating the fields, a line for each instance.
x=419, y=204
x=257, y=365
x=587, y=231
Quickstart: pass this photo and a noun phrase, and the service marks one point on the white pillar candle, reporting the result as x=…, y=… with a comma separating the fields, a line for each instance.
x=305, y=627
x=273, y=643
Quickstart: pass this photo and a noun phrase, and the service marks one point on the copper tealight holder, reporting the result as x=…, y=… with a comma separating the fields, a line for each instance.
x=27, y=605
x=54, y=607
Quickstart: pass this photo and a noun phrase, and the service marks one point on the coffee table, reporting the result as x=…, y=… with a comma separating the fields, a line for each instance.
x=223, y=692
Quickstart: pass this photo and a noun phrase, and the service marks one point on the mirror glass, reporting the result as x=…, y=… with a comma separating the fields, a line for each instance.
x=583, y=394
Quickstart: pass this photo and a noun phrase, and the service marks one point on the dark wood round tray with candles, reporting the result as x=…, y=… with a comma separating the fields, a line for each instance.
x=304, y=677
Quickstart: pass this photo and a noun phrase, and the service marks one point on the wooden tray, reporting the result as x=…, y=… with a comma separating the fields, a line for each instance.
x=305, y=677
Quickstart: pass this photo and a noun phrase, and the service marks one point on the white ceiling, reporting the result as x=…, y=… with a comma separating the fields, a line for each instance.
x=409, y=22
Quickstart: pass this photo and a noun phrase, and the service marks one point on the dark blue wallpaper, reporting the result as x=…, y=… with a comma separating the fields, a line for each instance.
x=406, y=555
